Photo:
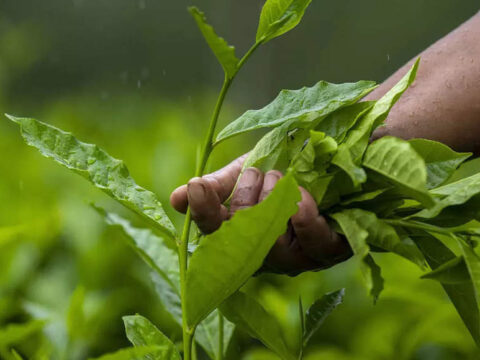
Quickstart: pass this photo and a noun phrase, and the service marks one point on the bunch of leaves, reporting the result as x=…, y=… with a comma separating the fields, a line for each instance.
x=391, y=195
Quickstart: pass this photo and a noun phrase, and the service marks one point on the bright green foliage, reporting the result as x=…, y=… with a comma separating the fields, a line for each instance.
x=15, y=355
x=225, y=53
x=166, y=278
x=105, y=172
x=278, y=17
x=456, y=193
x=343, y=159
x=319, y=100
x=463, y=296
x=384, y=236
x=249, y=315
x=136, y=353
x=357, y=237
x=15, y=333
x=473, y=265
x=226, y=259
x=319, y=311
x=142, y=332
x=397, y=161
x=451, y=272
x=441, y=161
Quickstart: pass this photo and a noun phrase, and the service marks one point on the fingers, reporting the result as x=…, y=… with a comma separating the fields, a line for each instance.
x=314, y=235
x=247, y=191
x=222, y=182
x=205, y=206
x=269, y=182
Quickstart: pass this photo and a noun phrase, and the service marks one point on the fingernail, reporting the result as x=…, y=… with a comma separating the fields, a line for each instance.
x=270, y=181
x=196, y=191
x=249, y=176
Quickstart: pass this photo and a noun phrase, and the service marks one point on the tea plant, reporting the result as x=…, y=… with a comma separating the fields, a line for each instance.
x=412, y=198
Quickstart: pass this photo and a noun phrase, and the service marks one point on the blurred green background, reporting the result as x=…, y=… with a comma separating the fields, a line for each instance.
x=135, y=77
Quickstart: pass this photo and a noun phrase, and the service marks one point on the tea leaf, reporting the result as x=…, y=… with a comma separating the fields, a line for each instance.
x=462, y=296
x=278, y=17
x=319, y=311
x=249, y=315
x=456, y=193
x=339, y=122
x=106, y=173
x=384, y=236
x=141, y=332
x=225, y=53
x=208, y=337
x=451, y=272
x=321, y=99
x=226, y=259
x=136, y=353
x=357, y=238
x=472, y=260
x=343, y=159
x=441, y=161
x=358, y=137
x=398, y=162
x=467, y=169
x=366, y=196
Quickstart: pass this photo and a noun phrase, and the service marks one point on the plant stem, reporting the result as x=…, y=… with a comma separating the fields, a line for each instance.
x=220, y=336
x=188, y=333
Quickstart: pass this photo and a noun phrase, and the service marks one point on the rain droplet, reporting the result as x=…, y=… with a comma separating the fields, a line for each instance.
x=139, y=84
x=142, y=4
x=90, y=161
x=448, y=84
x=388, y=57
x=164, y=72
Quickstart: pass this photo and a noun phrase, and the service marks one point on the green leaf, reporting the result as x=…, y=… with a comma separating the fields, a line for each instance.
x=451, y=272
x=136, y=353
x=359, y=136
x=319, y=311
x=150, y=247
x=399, y=163
x=225, y=53
x=456, y=193
x=166, y=278
x=16, y=333
x=339, y=122
x=141, y=332
x=366, y=196
x=270, y=145
x=384, y=236
x=320, y=100
x=343, y=159
x=16, y=355
x=76, y=315
x=278, y=17
x=250, y=316
x=238, y=248
x=106, y=173
x=472, y=260
x=462, y=296
x=373, y=276
x=441, y=161
x=467, y=169
x=315, y=154
x=357, y=238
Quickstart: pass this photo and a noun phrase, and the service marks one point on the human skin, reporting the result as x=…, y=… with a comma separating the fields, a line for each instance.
x=443, y=105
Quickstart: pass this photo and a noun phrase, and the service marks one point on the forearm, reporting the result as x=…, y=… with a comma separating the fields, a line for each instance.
x=444, y=102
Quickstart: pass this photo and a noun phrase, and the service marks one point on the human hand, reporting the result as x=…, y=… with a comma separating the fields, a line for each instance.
x=308, y=244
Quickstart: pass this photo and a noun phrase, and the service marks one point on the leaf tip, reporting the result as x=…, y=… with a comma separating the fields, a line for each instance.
x=12, y=118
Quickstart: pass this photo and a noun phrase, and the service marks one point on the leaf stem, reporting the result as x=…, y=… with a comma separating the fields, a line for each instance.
x=203, y=159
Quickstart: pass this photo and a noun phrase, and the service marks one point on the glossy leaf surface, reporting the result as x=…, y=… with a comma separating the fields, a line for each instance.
x=225, y=259
x=141, y=332
x=278, y=17
x=321, y=99
x=399, y=163
x=105, y=172
x=319, y=311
